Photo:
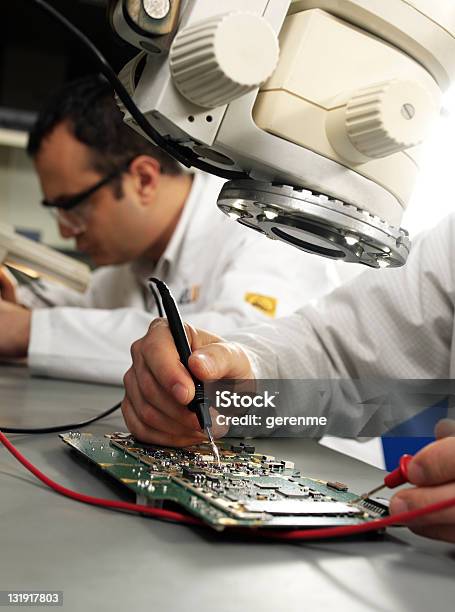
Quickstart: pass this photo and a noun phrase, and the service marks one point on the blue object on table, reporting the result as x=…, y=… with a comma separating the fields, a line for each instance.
x=399, y=440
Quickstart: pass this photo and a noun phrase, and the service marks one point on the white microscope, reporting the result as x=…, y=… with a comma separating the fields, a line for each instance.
x=314, y=109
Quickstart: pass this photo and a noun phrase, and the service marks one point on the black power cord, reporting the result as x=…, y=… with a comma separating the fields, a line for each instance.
x=182, y=154
x=59, y=428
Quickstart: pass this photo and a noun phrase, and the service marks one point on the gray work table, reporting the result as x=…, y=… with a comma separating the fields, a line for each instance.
x=105, y=560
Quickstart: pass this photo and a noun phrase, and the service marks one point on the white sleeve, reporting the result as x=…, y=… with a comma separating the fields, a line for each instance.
x=45, y=294
x=85, y=344
x=392, y=323
x=276, y=279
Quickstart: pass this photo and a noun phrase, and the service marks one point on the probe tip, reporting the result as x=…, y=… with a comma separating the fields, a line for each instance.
x=216, y=452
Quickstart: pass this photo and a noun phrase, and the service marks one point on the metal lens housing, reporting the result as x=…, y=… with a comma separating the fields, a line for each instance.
x=315, y=223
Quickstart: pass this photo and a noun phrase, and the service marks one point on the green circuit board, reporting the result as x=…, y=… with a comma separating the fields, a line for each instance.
x=247, y=489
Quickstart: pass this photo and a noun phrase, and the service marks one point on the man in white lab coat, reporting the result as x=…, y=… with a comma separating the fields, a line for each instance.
x=395, y=324
x=135, y=212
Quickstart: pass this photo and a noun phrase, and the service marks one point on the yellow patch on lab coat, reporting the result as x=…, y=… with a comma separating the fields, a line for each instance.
x=264, y=303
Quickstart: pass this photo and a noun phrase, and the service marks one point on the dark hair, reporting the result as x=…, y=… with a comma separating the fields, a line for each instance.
x=89, y=107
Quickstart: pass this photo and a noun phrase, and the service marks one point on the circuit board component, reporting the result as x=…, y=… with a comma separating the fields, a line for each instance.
x=249, y=489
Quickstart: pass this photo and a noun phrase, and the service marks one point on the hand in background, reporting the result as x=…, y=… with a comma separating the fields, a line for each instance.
x=15, y=324
x=7, y=286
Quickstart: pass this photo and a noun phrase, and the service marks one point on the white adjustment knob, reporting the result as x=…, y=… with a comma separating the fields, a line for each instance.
x=222, y=58
x=388, y=117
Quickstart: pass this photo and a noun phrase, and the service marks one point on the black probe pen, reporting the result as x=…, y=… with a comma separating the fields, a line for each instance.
x=197, y=404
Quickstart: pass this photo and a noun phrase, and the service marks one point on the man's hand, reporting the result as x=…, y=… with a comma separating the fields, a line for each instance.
x=14, y=330
x=433, y=472
x=158, y=387
x=7, y=286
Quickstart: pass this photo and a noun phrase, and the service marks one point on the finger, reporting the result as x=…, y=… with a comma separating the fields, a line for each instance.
x=134, y=426
x=151, y=436
x=418, y=497
x=200, y=337
x=434, y=464
x=437, y=532
x=218, y=431
x=220, y=360
x=161, y=358
x=445, y=428
x=180, y=421
x=151, y=393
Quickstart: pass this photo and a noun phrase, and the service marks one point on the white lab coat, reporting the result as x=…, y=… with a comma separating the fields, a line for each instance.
x=210, y=264
x=392, y=323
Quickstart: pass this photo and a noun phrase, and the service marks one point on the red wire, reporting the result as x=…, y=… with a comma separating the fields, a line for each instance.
x=294, y=534
x=96, y=501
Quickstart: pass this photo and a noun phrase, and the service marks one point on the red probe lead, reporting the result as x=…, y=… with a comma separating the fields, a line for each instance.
x=396, y=478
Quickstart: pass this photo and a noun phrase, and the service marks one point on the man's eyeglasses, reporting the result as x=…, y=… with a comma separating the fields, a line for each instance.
x=70, y=202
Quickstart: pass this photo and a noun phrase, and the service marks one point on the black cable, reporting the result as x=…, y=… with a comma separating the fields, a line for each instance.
x=182, y=154
x=59, y=428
